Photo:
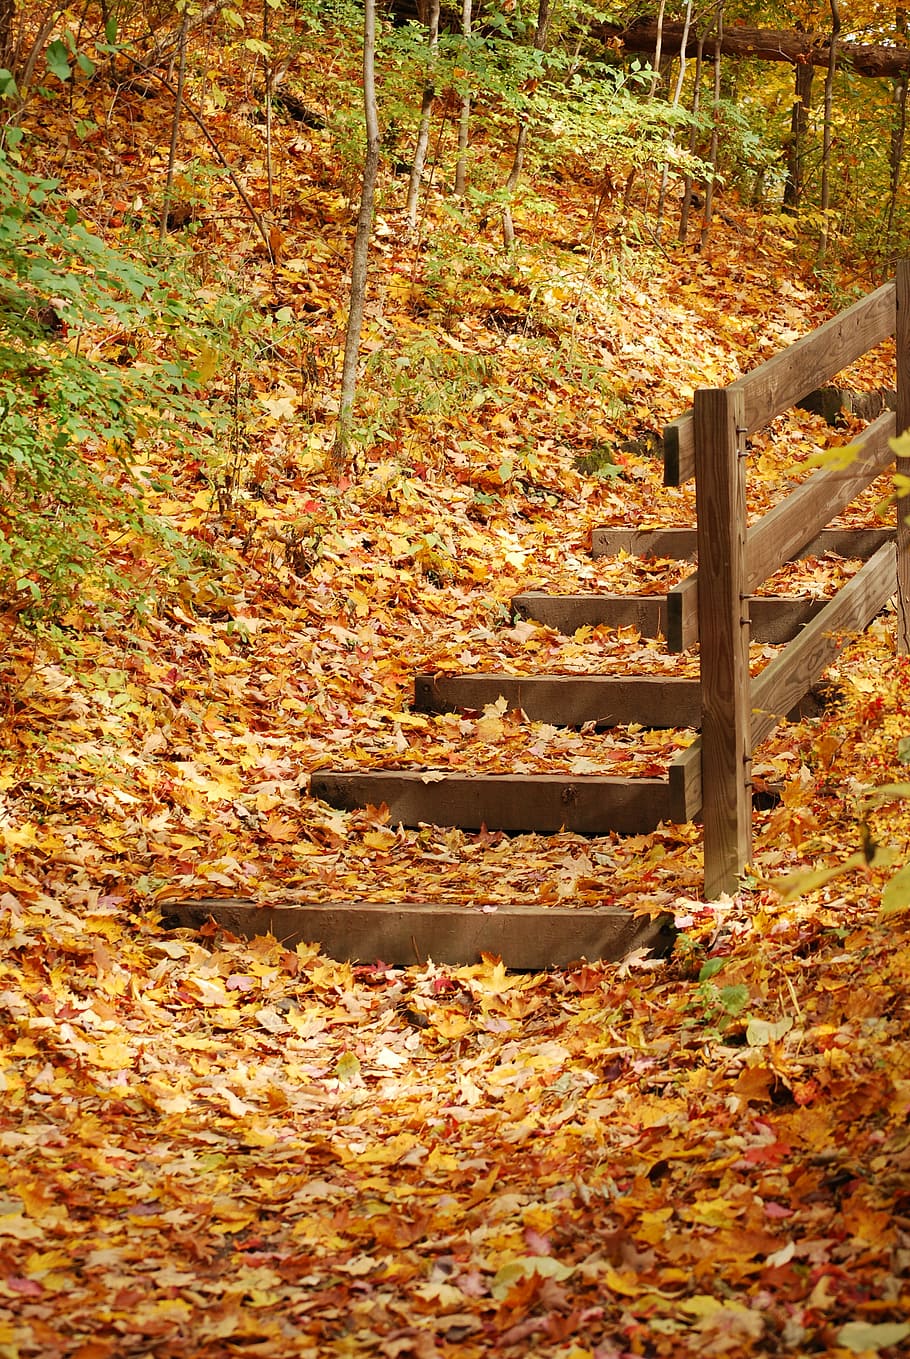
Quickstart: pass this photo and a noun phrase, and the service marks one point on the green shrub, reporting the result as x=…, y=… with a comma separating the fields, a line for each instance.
x=95, y=350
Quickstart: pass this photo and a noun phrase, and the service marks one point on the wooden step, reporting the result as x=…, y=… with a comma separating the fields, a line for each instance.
x=567, y=613
x=543, y=803
x=774, y=618
x=678, y=544
x=525, y=937
x=569, y=700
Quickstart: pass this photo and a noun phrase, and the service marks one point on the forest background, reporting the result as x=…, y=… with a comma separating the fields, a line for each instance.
x=215, y=580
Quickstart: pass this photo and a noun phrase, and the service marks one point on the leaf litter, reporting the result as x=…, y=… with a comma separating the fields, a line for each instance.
x=214, y=1146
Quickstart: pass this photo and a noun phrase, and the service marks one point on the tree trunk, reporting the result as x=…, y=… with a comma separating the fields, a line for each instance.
x=175, y=129
x=826, y=136
x=797, y=48
x=464, y=118
x=796, y=145
x=7, y=34
x=715, y=127
x=898, y=130
x=426, y=109
x=521, y=141
x=686, y=208
x=341, y=450
x=674, y=103
x=508, y=229
x=658, y=45
x=268, y=75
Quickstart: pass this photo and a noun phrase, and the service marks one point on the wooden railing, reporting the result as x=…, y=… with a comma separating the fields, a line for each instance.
x=712, y=606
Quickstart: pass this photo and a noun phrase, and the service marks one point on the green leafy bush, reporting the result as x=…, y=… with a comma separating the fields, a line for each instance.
x=95, y=349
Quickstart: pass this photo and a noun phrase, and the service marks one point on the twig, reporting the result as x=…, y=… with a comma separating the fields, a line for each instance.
x=254, y=215
x=175, y=129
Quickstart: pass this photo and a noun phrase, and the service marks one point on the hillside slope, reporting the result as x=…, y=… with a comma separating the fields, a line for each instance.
x=215, y=1147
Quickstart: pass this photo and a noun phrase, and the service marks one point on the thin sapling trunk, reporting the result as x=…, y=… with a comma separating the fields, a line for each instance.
x=426, y=110
x=341, y=449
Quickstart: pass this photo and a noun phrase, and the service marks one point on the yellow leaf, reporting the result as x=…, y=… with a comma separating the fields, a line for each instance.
x=347, y=1068
x=896, y=896
x=489, y=729
x=381, y=839
x=18, y=1227
x=717, y=1212
x=452, y=1024
x=652, y=1225
x=280, y=407
x=210, y=992
x=761, y=1032
x=624, y=1284
x=114, y=1055
x=254, y=1135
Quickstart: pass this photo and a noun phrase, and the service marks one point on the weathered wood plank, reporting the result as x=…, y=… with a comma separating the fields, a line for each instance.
x=685, y=784
x=544, y=803
x=782, y=533
x=844, y=542
x=774, y=618
x=676, y=544
x=784, y=681
x=568, y=700
x=902, y=335
x=793, y=528
x=833, y=402
x=568, y=613
x=682, y=614
x=526, y=938
x=855, y=544
x=723, y=631
x=790, y=375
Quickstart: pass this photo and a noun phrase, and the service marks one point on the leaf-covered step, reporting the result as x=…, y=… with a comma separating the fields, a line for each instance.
x=569, y=700
x=525, y=937
x=678, y=544
x=541, y=803
x=774, y=618
x=568, y=613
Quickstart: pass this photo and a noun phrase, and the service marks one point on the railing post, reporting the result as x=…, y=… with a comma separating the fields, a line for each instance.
x=902, y=345
x=723, y=630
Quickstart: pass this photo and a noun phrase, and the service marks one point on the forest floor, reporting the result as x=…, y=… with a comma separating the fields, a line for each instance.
x=217, y=1147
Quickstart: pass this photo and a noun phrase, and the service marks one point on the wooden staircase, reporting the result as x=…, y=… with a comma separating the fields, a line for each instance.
x=587, y=804
x=716, y=607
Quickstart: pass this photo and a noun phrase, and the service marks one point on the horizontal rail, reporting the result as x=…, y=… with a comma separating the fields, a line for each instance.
x=679, y=544
x=777, y=691
x=784, y=681
x=785, y=531
x=786, y=378
x=781, y=534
